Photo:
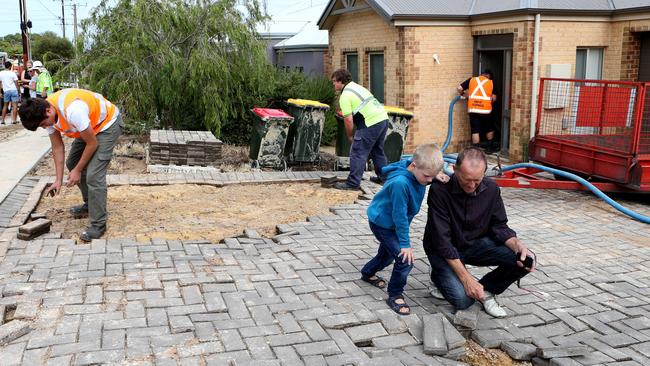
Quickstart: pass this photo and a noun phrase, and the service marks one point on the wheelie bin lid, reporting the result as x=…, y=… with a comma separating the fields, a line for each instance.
x=398, y=110
x=269, y=113
x=307, y=103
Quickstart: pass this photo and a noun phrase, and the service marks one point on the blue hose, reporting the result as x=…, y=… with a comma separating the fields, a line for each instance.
x=596, y=191
x=449, y=124
x=449, y=133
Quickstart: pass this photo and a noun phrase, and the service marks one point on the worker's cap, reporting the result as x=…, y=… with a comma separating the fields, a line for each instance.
x=37, y=65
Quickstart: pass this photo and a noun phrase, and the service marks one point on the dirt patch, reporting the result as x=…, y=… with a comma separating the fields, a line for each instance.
x=192, y=212
x=128, y=158
x=8, y=131
x=479, y=356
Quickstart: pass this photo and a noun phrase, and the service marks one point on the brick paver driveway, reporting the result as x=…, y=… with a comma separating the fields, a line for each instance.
x=297, y=299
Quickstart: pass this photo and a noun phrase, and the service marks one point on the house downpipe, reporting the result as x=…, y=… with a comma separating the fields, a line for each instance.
x=534, y=92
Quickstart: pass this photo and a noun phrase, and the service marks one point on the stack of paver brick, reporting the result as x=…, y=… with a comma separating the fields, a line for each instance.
x=34, y=229
x=184, y=148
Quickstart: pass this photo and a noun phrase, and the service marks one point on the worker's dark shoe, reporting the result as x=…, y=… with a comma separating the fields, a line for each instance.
x=377, y=180
x=345, y=186
x=92, y=232
x=492, y=147
x=79, y=211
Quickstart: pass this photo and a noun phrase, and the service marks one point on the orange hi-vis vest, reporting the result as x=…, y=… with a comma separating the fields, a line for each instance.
x=101, y=110
x=480, y=95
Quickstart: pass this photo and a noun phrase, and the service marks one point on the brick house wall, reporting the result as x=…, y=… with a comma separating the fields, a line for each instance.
x=630, y=44
x=414, y=82
x=430, y=87
x=366, y=32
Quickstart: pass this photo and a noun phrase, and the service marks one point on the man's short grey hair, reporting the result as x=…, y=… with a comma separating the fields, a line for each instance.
x=472, y=155
x=428, y=156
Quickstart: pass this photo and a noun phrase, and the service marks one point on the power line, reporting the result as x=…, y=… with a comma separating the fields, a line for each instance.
x=36, y=19
x=303, y=9
x=48, y=9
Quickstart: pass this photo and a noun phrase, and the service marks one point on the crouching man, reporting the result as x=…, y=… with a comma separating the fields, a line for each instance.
x=467, y=224
x=95, y=124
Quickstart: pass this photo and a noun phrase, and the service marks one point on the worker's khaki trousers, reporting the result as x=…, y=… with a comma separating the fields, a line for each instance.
x=93, y=177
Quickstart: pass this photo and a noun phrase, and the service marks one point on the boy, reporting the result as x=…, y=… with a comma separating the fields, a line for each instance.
x=390, y=214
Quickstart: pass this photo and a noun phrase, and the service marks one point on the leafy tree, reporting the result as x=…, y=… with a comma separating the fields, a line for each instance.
x=52, y=50
x=12, y=44
x=184, y=64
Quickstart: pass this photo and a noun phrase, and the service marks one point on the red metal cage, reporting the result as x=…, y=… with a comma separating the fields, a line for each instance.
x=595, y=128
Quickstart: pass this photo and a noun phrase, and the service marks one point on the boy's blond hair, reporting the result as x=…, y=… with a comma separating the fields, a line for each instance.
x=428, y=156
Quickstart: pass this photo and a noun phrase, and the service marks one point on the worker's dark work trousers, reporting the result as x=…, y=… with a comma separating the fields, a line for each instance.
x=368, y=142
x=93, y=177
x=482, y=252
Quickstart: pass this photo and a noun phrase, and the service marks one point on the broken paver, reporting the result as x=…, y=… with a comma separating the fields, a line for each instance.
x=13, y=330
x=468, y=318
x=562, y=351
x=519, y=351
x=35, y=226
x=452, y=335
x=365, y=333
x=434, y=339
x=491, y=338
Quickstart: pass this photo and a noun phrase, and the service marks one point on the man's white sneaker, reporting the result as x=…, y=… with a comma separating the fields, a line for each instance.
x=492, y=307
x=436, y=293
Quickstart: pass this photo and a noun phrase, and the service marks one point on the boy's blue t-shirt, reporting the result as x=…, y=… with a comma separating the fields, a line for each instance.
x=397, y=203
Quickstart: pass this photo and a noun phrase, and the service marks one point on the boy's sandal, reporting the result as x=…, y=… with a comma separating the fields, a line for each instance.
x=391, y=301
x=377, y=281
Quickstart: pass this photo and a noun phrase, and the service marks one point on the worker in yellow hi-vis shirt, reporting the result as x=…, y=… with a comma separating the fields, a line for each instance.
x=361, y=109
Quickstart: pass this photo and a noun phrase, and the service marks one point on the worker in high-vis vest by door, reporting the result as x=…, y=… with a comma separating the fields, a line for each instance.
x=479, y=93
x=361, y=109
x=95, y=124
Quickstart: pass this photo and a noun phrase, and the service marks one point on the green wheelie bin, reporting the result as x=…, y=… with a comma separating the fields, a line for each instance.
x=303, y=140
x=398, y=124
x=269, y=137
x=342, y=149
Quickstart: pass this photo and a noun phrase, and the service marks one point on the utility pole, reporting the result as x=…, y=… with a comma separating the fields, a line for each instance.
x=74, y=11
x=24, y=26
x=63, y=16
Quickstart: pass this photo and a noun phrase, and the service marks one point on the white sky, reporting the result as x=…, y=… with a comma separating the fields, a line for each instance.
x=289, y=16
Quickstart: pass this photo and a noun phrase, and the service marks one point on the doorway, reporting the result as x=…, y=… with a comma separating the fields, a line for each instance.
x=644, y=59
x=494, y=52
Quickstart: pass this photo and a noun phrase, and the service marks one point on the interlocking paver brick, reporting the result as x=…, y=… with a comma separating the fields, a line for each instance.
x=491, y=338
x=519, y=351
x=562, y=351
x=365, y=333
x=288, y=339
x=325, y=348
x=434, y=339
x=394, y=341
x=338, y=321
x=180, y=324
x=13, y=330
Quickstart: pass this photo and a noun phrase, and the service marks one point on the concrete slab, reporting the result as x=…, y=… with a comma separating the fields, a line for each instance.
x=19, y=155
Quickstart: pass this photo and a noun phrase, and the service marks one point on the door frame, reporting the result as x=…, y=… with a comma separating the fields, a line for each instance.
x=501, y=43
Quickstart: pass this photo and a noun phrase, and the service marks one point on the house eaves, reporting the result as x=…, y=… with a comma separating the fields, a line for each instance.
x=467, y=10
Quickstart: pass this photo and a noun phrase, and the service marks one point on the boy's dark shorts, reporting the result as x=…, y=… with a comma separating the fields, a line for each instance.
x=481, y=123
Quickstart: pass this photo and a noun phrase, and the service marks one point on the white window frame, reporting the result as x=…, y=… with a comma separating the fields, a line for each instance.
x=589, y=71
